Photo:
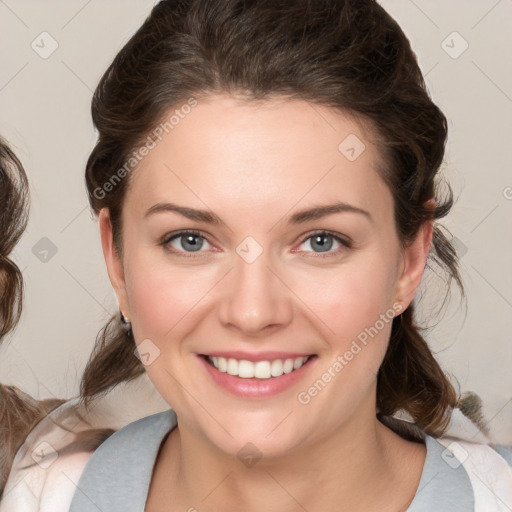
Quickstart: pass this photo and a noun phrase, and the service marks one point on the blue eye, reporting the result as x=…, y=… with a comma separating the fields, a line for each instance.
x=184, y=243
x=187, y=241
x=323, y=242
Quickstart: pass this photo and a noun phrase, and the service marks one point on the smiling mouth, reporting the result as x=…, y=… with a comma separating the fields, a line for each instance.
x=260, y=369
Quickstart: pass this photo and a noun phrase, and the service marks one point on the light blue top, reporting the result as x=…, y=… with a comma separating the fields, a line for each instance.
x=118, y=474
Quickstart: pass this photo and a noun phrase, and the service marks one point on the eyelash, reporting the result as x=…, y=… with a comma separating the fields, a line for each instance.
x=346, y=243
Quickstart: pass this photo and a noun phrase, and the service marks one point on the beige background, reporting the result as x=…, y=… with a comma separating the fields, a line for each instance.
x=44, y=113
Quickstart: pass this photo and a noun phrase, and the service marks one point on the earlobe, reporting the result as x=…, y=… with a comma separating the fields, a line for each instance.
x=414, y=260
x=112, y=259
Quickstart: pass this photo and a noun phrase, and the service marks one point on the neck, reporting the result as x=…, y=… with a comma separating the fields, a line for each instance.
x=358, y=467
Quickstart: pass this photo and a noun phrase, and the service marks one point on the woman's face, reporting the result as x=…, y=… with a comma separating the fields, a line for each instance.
x=269, y=275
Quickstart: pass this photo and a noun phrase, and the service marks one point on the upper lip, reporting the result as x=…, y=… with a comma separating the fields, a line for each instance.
x=255, y=357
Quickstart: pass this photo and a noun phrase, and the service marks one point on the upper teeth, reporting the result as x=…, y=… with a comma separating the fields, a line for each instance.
x=260, y=370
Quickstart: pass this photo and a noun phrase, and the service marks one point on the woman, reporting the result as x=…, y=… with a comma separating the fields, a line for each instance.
x=18, y=411
x=65, y=430
x=265, y=182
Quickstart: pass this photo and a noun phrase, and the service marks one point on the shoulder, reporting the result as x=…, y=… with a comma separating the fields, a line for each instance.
x=54, y=455
x=487, y=468
x=118, y=474
x=43, y=466
x=463, y=470
x=466, y=446
x=137, y=442
x=505, y=452
x=138, y=431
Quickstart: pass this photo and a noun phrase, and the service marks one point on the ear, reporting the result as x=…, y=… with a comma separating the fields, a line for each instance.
x=113, y=260
x=414, y=259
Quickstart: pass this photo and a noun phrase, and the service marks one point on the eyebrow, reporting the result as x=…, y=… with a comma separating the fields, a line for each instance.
x=300, y=217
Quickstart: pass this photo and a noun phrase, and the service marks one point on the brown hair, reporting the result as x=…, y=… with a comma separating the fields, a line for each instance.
x=345, y=54
x=14, y=206
x=19, y=412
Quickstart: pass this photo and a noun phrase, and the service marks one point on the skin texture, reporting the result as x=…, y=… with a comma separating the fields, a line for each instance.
x=254, y=165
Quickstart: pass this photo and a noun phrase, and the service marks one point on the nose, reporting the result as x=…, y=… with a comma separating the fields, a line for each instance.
x=256, y=300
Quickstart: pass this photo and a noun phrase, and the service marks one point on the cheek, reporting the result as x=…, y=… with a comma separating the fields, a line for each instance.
x=351, y=298
x=355, y=306
x=160, y=300
x=356, y=312
x=341, y=302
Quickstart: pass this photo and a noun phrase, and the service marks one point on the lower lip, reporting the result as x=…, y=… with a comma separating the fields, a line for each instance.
x=256, y=388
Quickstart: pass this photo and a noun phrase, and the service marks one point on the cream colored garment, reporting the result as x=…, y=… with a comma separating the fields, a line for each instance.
x=489, y=473
x=50, y=489
x=43, y=475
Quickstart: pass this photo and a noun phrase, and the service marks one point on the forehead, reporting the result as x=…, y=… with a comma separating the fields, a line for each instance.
x=259, y=154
